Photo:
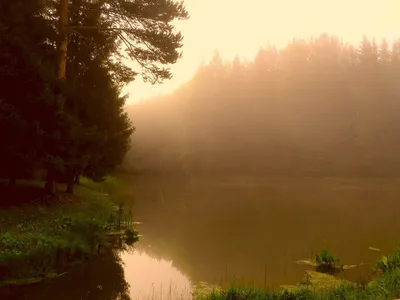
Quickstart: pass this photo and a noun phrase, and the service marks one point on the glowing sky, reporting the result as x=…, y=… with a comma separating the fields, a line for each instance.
x=237, y=27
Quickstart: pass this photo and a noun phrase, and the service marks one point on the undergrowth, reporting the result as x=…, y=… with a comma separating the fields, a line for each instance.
x=39, y=239
x=388, y=263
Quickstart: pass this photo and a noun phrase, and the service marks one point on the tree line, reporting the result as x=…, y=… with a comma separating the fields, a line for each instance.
x=62, y=68
x=318, y=106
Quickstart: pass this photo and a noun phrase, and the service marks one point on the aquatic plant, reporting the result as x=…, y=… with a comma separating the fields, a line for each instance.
x=131, y=236
x=327, y=262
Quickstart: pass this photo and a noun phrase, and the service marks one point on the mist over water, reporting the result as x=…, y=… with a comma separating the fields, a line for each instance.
x=222, y=228
x=269, y=172
x=254, y=165
x=243, y=230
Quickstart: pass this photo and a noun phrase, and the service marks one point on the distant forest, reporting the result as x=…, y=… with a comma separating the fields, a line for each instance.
x=316, y=107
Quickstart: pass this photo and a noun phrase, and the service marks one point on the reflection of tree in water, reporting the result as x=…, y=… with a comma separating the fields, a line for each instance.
x=211, y=230
x=164, y=249
x=161, y=204
x=100, y=279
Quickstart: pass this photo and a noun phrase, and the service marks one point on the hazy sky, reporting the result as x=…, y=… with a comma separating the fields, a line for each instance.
x=242, y=27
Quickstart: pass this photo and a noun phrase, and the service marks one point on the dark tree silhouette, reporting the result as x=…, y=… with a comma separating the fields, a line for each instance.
x=62, y=63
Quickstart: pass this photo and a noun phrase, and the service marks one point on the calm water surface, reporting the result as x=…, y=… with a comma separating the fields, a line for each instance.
x=235, y=229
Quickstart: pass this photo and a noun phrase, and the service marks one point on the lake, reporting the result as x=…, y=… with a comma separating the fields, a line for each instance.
x=226, y=229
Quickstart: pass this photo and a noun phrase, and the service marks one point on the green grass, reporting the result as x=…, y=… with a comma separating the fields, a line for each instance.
x=320, y=286
x=388, y=263
x=39, y=238
x=386, y=286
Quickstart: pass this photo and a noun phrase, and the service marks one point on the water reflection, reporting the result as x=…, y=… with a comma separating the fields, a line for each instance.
x=95, y=280
x=252, y=231
x=132, y=275
x=152, y=278
x=218, y=229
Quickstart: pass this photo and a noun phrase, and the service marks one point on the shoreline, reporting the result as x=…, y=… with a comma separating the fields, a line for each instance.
x=318, y=285
x=41, y=240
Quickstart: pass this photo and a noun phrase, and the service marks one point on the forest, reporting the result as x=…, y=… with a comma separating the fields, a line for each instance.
x=309, y=133
x=64, y=129
x=63, y=65
x=317, y=107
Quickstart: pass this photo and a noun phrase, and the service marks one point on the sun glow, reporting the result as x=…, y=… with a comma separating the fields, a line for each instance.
x=240, y=28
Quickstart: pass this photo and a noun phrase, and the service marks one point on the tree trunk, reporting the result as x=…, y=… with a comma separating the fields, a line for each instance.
x=61, y=74
x=63, y=46
x=70, y=185
x=50, y=186
x=78, y=179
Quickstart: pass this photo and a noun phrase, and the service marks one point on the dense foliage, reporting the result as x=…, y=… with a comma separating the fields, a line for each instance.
x=315, y=107
x=90, y=134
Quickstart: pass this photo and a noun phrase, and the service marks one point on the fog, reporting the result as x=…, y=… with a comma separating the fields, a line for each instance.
x=261, y=173
x=316, y=107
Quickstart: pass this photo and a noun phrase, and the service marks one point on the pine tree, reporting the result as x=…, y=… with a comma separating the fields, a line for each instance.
x=95, y=31
x=26, y=74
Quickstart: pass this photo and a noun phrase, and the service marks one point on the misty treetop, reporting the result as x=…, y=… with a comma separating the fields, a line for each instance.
x=90, y=132
x=316, y=106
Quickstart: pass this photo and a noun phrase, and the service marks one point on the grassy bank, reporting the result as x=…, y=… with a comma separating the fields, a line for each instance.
x=316, y=285
x=41, y=236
